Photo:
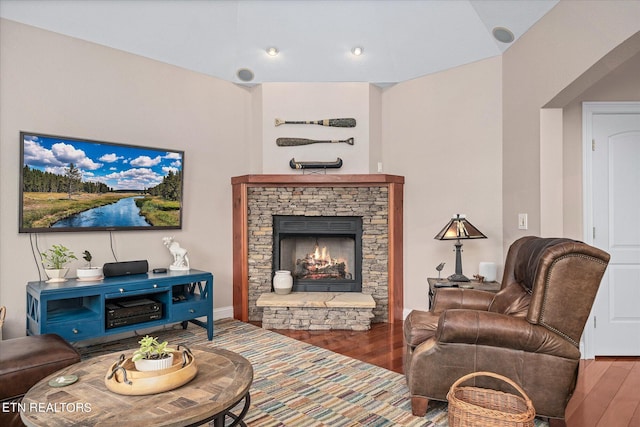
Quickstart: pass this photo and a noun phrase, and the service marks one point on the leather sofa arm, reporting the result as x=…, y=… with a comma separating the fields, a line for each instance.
x=499, y=330
x=472, y=299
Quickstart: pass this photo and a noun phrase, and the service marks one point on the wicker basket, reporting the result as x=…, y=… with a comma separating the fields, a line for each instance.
x=482, y=407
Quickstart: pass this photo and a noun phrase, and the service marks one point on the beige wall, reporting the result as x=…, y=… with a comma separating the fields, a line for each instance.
x=304, y=101
x=551, y=158
x=63, y=86
x=255, y=143
x=375, y=130
x=546, y=60
x=443, y=133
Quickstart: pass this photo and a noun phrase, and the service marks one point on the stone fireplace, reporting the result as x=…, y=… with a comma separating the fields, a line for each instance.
x=315, y=202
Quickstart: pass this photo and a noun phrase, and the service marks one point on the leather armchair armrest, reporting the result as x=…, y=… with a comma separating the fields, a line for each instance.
x=500, y=330
x=473, y=299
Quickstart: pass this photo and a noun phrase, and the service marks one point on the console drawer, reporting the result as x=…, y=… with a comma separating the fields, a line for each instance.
x=76, y=330
x=186, y=310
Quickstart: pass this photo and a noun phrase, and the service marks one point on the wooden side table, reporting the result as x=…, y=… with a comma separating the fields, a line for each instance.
x=223, y=380
x=474, y=284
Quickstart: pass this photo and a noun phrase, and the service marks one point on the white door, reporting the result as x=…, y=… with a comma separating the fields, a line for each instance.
x=616, y=229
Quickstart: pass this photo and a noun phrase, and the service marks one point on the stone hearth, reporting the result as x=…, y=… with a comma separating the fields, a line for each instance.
x=377, y=199
x=320, y=311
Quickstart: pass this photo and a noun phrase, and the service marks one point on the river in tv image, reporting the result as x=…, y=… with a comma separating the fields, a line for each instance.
x=123, y=213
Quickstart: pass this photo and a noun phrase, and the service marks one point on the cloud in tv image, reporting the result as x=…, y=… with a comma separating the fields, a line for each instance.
x=71, y=184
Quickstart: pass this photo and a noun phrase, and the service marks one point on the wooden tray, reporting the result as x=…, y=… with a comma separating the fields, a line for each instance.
x=122, y=377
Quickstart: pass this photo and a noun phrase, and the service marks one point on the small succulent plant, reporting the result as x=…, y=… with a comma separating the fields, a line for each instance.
x=150, y=348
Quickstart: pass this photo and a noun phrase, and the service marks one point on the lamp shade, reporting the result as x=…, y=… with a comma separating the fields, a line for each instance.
x=459, y=228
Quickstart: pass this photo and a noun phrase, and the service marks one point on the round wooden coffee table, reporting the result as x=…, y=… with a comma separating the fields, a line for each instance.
x=222, y=382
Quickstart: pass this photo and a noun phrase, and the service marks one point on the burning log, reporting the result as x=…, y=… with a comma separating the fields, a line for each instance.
x=320, y=265
x=307, y=270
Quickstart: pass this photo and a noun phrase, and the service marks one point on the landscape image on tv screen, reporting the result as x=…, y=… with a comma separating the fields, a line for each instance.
x=70, y=184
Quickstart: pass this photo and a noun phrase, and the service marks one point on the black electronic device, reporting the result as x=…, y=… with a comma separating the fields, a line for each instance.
x=159, y=270
x=125, y=268
x=130, y=312
x=125, y=321
x=178, y=298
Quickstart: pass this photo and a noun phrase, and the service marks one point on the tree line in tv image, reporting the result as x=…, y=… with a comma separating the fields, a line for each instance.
x=77, y=195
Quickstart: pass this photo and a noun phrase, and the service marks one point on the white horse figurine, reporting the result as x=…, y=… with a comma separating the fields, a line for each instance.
x=180, y=259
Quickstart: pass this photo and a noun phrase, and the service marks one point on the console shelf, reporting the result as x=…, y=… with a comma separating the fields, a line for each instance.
x=77, y=310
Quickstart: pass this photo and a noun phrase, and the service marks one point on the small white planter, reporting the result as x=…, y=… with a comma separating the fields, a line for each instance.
x=89, y=273
x=154, y=364
x=56, y=274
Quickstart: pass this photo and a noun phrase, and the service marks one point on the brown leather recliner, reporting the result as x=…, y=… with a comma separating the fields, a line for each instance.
x=529, y=331
x=23, y=362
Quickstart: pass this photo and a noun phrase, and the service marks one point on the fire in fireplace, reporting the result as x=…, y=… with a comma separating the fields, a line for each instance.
x=323, y=253
x=318, y=263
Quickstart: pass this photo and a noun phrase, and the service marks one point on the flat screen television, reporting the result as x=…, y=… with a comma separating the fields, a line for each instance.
x=70, y=184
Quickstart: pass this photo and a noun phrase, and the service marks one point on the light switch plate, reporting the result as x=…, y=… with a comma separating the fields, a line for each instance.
x=522, y=221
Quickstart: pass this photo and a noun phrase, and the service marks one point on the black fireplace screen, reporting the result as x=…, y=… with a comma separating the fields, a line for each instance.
x=322, y=253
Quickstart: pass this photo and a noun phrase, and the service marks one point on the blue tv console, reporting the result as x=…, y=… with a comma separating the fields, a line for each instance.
x=79, y=310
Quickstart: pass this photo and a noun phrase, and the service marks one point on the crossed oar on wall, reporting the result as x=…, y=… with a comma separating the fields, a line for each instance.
x=340, y=123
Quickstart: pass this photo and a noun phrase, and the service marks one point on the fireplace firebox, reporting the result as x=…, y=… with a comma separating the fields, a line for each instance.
x=323, y=253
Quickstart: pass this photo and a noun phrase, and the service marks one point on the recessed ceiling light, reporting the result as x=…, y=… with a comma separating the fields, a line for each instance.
x=245, y=74
x=357, y=51
x=503, y=34
x=272, y=51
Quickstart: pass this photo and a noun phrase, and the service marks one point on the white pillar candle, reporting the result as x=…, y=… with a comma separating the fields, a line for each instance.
x=488, y=271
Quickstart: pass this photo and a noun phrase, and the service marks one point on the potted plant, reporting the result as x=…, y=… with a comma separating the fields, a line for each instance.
x=54, y=260
x=89, y=272
x=152, y=355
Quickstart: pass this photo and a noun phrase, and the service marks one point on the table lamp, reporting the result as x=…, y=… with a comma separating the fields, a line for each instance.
x=459, y=228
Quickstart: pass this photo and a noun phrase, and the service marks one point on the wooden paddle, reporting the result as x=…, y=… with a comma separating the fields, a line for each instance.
x=336, y=123
x=290, y=142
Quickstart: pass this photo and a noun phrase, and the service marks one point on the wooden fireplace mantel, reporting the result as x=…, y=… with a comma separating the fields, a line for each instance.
x=240, y=184
x=318, y=180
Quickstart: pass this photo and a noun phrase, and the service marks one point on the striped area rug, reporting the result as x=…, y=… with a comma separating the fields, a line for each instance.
x=297, y=384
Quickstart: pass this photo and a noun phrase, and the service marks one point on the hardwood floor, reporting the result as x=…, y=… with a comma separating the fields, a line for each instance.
x=607, y=394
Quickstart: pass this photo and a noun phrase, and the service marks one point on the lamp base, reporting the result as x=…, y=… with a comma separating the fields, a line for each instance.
x=458, y=278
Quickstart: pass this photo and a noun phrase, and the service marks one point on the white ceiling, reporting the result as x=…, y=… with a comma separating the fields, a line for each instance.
x=402, y=39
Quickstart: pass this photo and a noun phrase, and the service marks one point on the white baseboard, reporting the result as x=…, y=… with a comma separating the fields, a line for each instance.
x=222, y=313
